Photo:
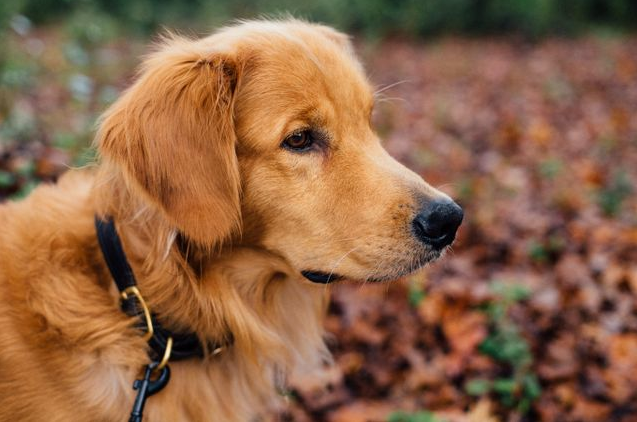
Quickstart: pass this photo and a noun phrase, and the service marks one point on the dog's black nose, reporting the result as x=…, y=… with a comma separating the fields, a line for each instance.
x=437, y=222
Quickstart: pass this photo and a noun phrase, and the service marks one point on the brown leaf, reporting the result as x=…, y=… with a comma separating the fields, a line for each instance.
x=465, y=331
x=621, y=374
x=590, y=411
x=482, y=412
x=363, y=411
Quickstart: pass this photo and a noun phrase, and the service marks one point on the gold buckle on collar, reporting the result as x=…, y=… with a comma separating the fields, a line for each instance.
x=166, y=357
x=134, y=291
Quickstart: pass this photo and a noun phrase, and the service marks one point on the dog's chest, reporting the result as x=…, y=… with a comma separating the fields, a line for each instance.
x=218, y=390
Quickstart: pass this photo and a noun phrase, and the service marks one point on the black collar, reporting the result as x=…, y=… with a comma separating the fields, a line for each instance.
x=185, y=345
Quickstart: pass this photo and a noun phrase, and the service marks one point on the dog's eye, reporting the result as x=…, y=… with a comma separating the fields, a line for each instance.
x=299, y=141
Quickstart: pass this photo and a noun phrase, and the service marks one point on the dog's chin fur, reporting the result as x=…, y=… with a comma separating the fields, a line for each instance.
x=398, y=271
x=427, y=257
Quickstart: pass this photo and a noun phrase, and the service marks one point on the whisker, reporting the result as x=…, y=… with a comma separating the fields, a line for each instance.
x=346, y=239
x=389, y=100
x=338, y=262
x=385, y=88
x=444, y=185
x=370, y=273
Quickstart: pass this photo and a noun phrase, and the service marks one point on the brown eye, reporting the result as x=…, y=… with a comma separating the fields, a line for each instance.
x=299, y=141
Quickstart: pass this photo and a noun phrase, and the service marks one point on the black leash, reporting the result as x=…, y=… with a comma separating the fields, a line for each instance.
x=164, y=344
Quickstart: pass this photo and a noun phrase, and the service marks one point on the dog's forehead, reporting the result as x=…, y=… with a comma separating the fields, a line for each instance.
x=300, y=57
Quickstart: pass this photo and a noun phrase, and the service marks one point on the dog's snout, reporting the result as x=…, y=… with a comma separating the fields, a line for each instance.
x=437, y=222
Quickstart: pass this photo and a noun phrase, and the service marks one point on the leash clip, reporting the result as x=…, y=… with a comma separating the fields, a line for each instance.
x=146, y=387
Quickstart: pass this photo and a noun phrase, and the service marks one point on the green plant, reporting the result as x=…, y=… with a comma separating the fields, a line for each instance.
x=506, y=345
x=375, y=18
x=551, y=168
x=420, y=416
x=6, y=179
x=537, y=252
x=611, y=197
x=416, y=292
x=541, y=251
x=26, y=189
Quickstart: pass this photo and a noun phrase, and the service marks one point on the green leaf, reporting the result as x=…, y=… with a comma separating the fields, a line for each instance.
x=422, y=416
x=524, y=405
x=27, y=169
x=25, y=190
x=398, y=417
x=510, y=292
x=537, y=252
x=551, y=168
x=85, y=157
x=64, y=140
x=505, y=386
x=478, y=386
x=416, y=296
x=7, y=179
x=611, y=198
x=416, y=292
x=531, y=385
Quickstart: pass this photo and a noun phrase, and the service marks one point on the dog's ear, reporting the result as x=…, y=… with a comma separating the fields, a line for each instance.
x=172, y=133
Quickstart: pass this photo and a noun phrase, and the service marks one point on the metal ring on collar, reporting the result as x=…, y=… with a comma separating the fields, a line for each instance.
x=134, y=291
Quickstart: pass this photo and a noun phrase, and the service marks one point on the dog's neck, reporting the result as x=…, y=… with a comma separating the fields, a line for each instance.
x=241, y=290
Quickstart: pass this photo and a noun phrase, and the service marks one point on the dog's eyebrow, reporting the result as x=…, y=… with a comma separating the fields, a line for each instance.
x=312, y=118
x=309, y=114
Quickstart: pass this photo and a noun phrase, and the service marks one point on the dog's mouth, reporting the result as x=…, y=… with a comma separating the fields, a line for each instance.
x=321, y=277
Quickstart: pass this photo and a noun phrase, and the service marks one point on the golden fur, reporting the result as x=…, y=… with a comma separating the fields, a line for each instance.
x=217, y=221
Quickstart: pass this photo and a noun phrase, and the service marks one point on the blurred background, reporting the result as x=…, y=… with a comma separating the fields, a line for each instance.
x=523, y=110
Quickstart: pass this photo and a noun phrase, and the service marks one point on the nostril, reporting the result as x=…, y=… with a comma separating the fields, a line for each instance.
x=420, y=227
x=429, y=228
x=436, y=224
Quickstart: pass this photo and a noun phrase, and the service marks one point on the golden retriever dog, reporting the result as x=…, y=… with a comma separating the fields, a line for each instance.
x=243, y=176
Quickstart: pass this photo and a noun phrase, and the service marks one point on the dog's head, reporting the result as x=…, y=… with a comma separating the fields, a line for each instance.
x=263, y=130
